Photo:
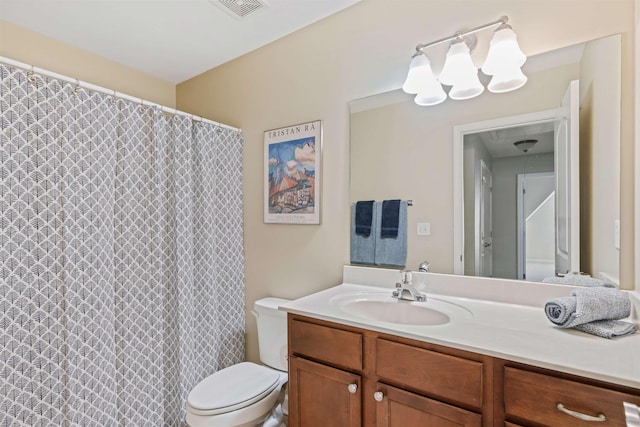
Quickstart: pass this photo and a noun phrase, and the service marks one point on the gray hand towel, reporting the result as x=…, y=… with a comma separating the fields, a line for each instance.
x=578, y=280
x=587, y=305
x=607, y=328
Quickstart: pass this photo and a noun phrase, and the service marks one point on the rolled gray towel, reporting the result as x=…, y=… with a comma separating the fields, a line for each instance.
x=587, y=305
x=559, y=310
x=608, y=328
x=578, y=280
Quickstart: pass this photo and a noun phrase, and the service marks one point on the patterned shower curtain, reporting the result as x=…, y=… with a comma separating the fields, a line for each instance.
x=122, y=267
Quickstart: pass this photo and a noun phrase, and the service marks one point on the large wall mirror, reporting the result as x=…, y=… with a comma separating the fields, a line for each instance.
x=441, y=157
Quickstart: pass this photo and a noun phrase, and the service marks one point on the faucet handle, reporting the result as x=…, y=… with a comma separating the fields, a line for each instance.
x=406, y=277
x=424, y=266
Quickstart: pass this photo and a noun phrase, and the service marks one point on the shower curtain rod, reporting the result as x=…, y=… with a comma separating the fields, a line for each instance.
x=95, y=88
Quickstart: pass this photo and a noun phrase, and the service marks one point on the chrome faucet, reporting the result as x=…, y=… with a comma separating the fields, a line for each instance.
x=405, y=290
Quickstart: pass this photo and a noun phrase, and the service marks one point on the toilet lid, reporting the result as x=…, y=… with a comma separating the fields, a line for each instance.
x=232, y=388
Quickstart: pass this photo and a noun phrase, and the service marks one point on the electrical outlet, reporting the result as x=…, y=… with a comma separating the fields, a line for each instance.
x=616, y=235
x=424, y=229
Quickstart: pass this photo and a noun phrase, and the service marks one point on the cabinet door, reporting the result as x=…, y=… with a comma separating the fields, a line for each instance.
x=399, y=408
x=321, y=396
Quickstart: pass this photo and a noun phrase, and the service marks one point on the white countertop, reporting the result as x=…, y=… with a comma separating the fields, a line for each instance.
x=509, y=324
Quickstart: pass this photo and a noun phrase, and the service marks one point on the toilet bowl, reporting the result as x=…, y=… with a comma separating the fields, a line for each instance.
x=245, y=394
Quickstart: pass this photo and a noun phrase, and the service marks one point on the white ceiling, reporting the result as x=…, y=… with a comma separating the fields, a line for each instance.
x=171, y=39
x=500, y=142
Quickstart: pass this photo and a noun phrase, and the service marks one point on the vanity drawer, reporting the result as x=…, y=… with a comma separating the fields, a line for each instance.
x=535, y=397
x=435, y=374
x=326, y=344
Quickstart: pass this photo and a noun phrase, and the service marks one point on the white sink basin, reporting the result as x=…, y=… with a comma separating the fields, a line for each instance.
x=380, y=306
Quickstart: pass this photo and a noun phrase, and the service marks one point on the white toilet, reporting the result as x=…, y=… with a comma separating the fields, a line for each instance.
x=245, y=394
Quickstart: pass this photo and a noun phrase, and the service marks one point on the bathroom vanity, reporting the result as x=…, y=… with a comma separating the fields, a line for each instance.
x=504, y=365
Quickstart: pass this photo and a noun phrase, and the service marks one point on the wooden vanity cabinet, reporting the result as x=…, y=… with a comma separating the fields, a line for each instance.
x=346, y=377
x=343, y=376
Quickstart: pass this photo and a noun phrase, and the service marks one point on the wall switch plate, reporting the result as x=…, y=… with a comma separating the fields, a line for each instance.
x=616, y=235
x=424, y=229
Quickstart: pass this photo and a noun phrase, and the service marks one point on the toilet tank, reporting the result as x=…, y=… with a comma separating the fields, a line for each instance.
x=272, y=332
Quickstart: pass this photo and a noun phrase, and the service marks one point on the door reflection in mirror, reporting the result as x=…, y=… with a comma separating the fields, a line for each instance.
x=496, y=174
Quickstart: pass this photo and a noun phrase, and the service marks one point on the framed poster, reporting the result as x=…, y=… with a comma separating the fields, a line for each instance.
x=292, y=174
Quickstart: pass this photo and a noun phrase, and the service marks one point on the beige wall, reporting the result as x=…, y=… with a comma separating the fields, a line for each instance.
x=35, y=49
x=599, y=122
x=364, y=50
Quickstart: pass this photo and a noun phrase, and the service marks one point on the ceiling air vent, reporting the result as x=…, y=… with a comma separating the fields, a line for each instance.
x=240, y=9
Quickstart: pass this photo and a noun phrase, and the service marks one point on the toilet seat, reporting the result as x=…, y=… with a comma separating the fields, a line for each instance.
x=232, y=388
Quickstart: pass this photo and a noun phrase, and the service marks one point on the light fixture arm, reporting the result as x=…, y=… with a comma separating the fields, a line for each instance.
x=461, y=34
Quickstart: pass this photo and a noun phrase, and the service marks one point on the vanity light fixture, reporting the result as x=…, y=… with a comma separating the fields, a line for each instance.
x=503, y=64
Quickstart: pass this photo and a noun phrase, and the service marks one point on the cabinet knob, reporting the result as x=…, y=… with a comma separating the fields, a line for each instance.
x=378, y=396
x=353, y=388
x=580, y=415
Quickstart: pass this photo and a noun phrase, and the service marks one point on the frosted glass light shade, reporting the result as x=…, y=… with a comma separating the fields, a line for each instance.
x=430, y=94
x=419, y=69
x=458, y=66
x=459, y=72
x=421, y=81
x=424, y=83
x=503, y=52
x=467, y=89
x=507, y=80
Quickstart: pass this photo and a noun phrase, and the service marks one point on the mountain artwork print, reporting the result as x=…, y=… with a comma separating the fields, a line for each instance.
x=291, y=193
